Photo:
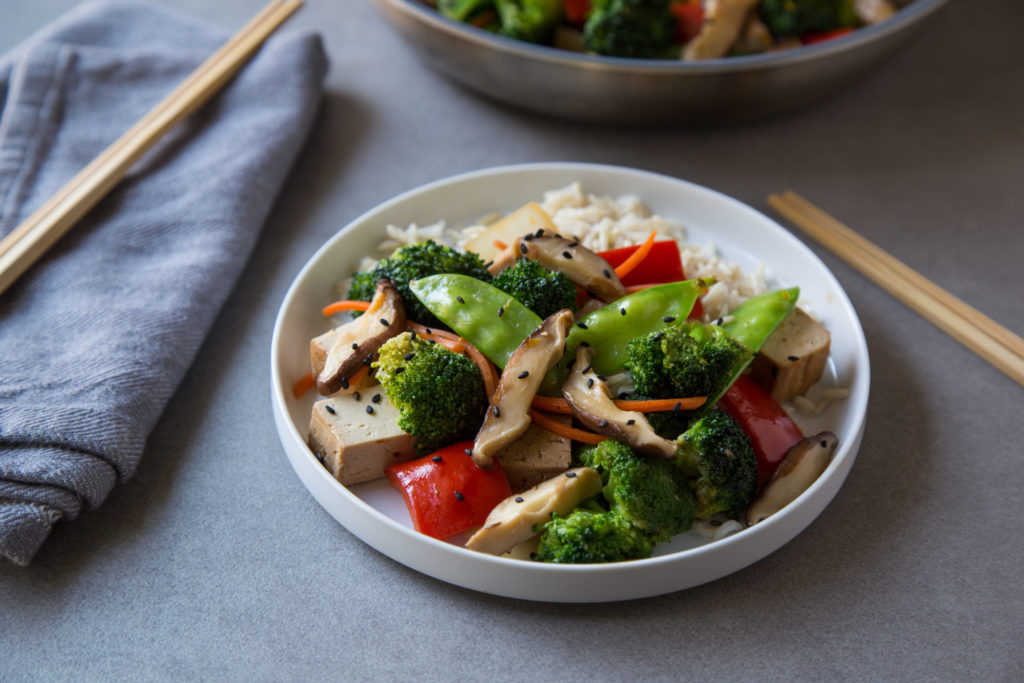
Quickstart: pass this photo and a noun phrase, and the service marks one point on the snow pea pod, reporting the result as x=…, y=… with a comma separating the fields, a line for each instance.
x=609, y=329
x=492, y=320
x=755, y=319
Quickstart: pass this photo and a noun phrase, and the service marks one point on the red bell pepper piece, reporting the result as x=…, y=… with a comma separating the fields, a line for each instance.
x=822, y=36
x=689, y=19
x=446, y=493
x=771, y=430
x=576, y=11
x=661, y=266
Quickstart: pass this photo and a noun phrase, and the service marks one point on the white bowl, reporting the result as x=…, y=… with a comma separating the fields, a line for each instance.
x=376, y=514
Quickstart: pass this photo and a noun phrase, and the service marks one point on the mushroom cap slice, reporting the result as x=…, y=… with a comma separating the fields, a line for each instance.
x=803, y=464
x=583, y=266
x=356, y=341
x=591, y=402
x=724, y=21
x=513, y=520
x=509, y=413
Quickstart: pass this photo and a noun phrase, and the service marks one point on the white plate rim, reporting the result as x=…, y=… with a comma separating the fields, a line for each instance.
x=569, y=583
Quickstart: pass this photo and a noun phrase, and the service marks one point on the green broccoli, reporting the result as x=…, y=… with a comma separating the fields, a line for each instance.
x=648, y=493
x=529, y=20
x=719, y=464
x=541, y=290
x=588, y=536
x=412, y=262
x=691, y=359
x=796, y=17
x=462, y=10
x=630, y=28
x=439, y=394
x=668, y=424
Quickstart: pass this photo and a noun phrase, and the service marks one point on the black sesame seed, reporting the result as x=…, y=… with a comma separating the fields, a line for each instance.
x=539, y=233
x=410, y=355
x=460, y=299
x=602, y=423
x=622, y=311
x=522, y=247
x=524, y=374
x=572, y=362
x=430, y=331
x=355, y=346
x=677, y=407
x=489, y=264
x=376, y=398
x=400, y=369
x=570, y=475
x=623, y=394
x=519, y=499
x=824, y=443
x=607, y=273
x=631, y=421
x=467, y=451
x=793, y=357
x=369, y=410
x=719, y=321
x=590, y=382
x=668, y=319
x=529, y=237
x=584, y=343
x=368, y=361
x=585, y=370
x=566, y=254
x=459, y=497
x=582, y=325
x=384, y=322
x=330, y=410
x=602, y=378
x=437, y=458
x=501, y=311
x=356, y=396
x=344, y=383
x=775, y=371
x=573, y=245
x=497, y=411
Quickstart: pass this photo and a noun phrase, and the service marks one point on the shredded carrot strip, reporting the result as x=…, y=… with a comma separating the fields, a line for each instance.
x=339, y=306
x=561, y=406
x=500, y=245
x=455, y=343
x=638, y=288
x=627, y=266
x=356, y=380
x=303, y=385
x=560, y=429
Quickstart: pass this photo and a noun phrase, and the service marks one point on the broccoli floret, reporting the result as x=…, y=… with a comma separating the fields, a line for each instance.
x=797, y=17
x=668, y=424
x=630, y=28
x=692, y=359
x=588, y=536
x=529, y=20
x=462, y=10
x=412, y=262
x=541, y=290
x=719, y=463
x=439, y=394
x=650, y=494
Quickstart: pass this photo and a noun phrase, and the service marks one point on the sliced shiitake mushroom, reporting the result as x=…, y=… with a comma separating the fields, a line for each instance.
x=723, y=23
x=583, y=266
x=512, y=521
x=508, y=416
x=358, y=340
x=803, y=464
x=591, y=402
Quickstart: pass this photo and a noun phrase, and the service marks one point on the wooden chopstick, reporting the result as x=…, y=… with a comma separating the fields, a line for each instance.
x=40, y=231
x=972, y=328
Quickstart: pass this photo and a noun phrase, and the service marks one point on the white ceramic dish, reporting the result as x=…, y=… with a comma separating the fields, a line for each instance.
x=376, y=514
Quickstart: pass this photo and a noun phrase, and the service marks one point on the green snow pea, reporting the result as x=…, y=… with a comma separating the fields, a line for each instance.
x=492, y=320
x=609, y=329
x=755, y=319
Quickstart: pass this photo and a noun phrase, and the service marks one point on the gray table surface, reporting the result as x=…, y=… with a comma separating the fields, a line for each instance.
x=214, y=561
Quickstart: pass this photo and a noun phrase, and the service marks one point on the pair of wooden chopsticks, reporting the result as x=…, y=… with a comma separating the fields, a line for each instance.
x=40, y=231
x=982, y=335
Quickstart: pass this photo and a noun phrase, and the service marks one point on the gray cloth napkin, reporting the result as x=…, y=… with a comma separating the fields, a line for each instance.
x=96, y=336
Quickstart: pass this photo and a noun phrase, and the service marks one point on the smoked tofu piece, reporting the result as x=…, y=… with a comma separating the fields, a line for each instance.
x=794, y=357
x=318, y=348
x=354, y=444
x=535, y=456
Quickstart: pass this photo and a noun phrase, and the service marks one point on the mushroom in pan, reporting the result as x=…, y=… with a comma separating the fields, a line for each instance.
x=803, y=464
x=591, y=402
x=583, y=266
x=513, y=520
x=356, y=341
x=508, y=416
x=724, y=21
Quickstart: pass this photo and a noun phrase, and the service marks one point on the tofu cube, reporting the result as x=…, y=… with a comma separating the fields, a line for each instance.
x=794, y=357
x=535, y=456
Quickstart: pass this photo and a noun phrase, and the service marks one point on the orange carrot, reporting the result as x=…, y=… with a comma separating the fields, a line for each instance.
x=560, y=406
x=355, y=380
x=630, y=289
x=500, y=245
x=339, y=306
x=303, y=385
x=556, y=427
x=627, y=266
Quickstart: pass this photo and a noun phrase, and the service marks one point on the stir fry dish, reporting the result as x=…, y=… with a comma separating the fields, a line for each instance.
x=558, y=402
x=669, y=29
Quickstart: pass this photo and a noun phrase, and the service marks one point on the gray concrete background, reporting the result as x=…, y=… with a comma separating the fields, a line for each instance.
x=214, y=561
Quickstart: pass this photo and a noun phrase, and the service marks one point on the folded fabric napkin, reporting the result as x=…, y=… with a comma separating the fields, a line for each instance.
x=95, y=337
